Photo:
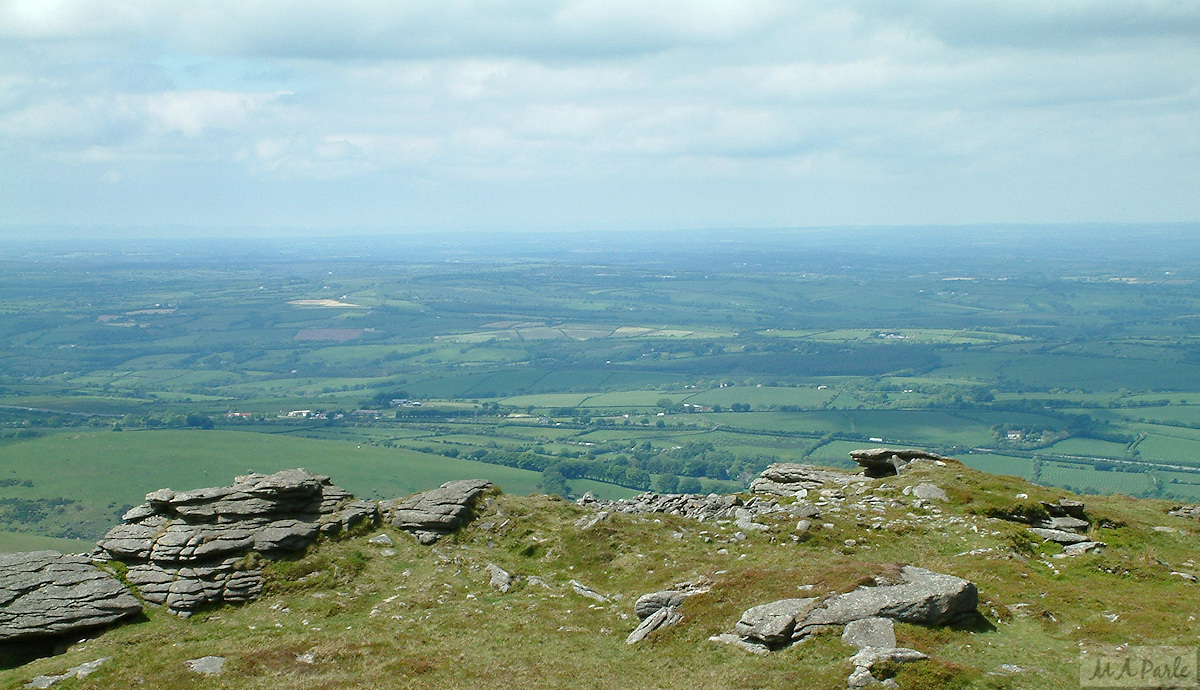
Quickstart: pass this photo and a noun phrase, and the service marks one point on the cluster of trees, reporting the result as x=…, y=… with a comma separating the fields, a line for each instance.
x=635, y=466
x=26, y=510
x=190, y=420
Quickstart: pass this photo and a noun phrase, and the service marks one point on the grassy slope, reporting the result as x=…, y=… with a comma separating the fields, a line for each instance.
x=426, y=617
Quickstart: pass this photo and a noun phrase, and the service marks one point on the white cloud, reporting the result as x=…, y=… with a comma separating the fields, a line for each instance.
x=526, y=97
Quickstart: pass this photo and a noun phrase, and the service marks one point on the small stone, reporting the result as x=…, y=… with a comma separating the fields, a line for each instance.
x=80, y=671
x=207, y=665
x=583, y=590
x=1058, y=536
x=929, y=492
x=1083, y=547
x=501, y=580
x=381, y=540
x=747, y=645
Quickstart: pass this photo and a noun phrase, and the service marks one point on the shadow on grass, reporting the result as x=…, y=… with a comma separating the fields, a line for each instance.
x=15, y=653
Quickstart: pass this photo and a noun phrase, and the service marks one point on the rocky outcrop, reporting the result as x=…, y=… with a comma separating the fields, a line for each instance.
x=432, y=514
x=1188, y=511
x=660, y=609
x=46, y=593
x=187, y=549
x=884, y=462
x=791, y=479
x=922, y=597
x=697, y=507
x=774, y=624
x=1064, y=523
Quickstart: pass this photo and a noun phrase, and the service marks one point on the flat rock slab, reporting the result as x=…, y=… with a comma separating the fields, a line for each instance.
x=923, y=597
x=870, y=632
x=81, y=671
x=929, y=492
x=45, y=593
x=789, y=479
x=884, y=462
x=1083, y=547
x=207, y=665
x=1058, y=536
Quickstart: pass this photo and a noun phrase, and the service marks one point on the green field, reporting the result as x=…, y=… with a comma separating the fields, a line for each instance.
x=105, y=472
x=11, y=542
x=1091, y=481
x=999, y=464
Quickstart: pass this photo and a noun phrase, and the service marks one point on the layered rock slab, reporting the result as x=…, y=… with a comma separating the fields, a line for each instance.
x=187, y=549
x=922, y=597
x=46, y=593
x=790, y=479
x=884, y=462
x=430, y=515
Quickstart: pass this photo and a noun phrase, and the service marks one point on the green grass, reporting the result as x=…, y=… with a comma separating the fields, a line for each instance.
x=11, y=542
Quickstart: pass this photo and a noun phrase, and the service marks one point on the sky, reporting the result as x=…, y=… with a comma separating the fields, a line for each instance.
x=259, y=116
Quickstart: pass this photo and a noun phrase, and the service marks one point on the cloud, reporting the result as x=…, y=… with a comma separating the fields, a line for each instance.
x=489, y=102
x=383, y=28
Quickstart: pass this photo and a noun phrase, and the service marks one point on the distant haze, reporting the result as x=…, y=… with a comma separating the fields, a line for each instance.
x=256, y=118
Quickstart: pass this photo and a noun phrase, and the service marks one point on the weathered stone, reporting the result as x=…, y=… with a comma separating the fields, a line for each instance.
x=81, y=671
x=1083, y=547
x=773, y=624
x=1058, y=536
x=791, y=479
x=870, y=632
x=884, y=462
x=929, y=492
x=867, y=657
x=589, y=521
x=347, y=514
x=207, y=665
x=923, y=597
x=187, y=549
x=432, y=514
x=663, y=617
x=585, y=591
x=46, y=593
x=381, y=540
x=647, y=604
x=500, y=579
x=1065, y=508
x=1186, y=511
x=1065, y=524
x=747, y=645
